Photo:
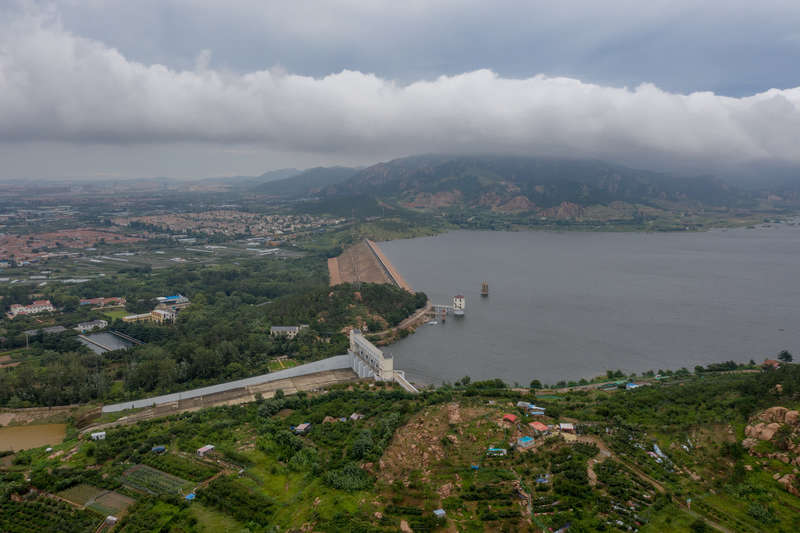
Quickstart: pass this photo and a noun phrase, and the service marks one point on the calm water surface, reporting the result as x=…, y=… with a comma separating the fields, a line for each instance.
x=572, y=305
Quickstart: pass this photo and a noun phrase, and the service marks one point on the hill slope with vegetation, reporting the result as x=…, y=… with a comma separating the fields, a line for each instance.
x=664, y=457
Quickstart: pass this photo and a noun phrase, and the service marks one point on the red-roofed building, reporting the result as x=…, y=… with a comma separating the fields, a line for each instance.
x=113, y=301
x=771, y=364
x=510, y=418
x=538, y=426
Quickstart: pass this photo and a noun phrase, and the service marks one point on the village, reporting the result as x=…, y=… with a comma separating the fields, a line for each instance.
x=230, y=223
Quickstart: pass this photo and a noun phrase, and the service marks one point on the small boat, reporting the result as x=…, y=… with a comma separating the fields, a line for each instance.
x=432, y=323
x=484, y=289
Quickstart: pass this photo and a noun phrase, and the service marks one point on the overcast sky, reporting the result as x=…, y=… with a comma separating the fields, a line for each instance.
x=198, y=88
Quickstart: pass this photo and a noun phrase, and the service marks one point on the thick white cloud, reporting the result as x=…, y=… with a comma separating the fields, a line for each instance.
x=56, y=86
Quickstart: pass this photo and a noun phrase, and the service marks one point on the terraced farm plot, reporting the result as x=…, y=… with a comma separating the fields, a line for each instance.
x=152, y=481
x=179, y=466
x=80, y=494
x=111, y=503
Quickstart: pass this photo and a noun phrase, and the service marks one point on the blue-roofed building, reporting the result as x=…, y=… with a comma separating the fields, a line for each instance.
x=190, y=496
x=158, y=449
x=525, y=442
x=439, y=513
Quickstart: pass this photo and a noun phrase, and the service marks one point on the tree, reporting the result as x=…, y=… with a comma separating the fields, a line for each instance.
x=536, y=384
x=785, y=356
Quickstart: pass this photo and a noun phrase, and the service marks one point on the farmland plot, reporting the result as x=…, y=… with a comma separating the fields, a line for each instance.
x=152, y=481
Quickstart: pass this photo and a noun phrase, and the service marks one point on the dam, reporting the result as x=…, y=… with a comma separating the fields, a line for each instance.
x=365, y=262
x=364, y=358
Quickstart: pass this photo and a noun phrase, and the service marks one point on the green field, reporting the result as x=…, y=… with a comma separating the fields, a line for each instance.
x=116, y=314
x=150, y=480
x=275, y=365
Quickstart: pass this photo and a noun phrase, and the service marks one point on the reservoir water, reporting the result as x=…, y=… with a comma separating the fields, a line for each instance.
x=568, y=305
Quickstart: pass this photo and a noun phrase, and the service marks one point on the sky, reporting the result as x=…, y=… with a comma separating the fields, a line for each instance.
x=104, y=89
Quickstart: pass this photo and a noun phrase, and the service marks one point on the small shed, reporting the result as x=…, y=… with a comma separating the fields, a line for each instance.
x=525, y=442
x=510, y=418
x=302, y=428
x=158, y=449
x=201, y=452
x=439, y=513
x=111, y=520
x=98, y=435
x=566, y=427
x=190, y=497
x=496, y=452
x=356, y=416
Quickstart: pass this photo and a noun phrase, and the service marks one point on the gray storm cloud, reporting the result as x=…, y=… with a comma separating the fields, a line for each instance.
x=57, y=86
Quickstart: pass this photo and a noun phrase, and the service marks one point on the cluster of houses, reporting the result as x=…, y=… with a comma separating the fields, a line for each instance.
x=539, y=429
x=531, y=409
x=164, y=313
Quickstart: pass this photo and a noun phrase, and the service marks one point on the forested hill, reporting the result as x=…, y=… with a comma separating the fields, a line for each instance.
x=505, y=183
x=305, y=183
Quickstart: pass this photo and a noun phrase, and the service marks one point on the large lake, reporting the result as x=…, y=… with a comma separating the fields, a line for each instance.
x=571, y=305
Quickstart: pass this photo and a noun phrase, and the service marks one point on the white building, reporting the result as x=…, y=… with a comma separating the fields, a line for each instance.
x=83, y=327
x=286, y=331
x=201, y=452
x=368, y=360
x=458, y=305
x=99, y=435
x=38, y=306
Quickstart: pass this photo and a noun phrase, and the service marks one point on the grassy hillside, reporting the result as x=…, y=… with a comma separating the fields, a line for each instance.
x=664, y=457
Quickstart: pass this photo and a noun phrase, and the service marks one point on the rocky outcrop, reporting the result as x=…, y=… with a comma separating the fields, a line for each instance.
x=789, y=482
x=774, y=414
x=764, y=427
x=762, y=431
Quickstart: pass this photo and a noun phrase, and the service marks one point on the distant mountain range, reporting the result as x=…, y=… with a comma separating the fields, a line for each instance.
x=557, y=187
